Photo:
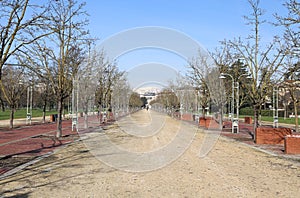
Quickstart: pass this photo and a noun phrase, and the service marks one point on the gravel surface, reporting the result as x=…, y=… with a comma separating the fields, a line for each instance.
x=230, y=169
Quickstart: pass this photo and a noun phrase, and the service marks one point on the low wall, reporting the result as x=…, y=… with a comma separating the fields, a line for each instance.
x=212, y=124
x=202, y=121
x=248, y=120
x=208, y=123
x=292, y=144
x=265, y=135
x=187, y=117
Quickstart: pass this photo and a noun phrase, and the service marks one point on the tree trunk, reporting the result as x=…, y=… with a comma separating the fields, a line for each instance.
x=59, y=118
x=11, y=120
x=285, y=111
x=2, y=105
x=203, y=111
x=44, y=111
x=101, y=115
x=296, y=116
x=221, y=118
x=256, y=118
x=86, y=118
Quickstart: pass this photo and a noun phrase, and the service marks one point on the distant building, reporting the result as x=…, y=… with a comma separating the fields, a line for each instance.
x=150, y=93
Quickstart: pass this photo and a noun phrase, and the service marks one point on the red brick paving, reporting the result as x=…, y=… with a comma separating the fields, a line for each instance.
x=8, y=135
x=24, y=143
x=245, y=135
x=31, y=141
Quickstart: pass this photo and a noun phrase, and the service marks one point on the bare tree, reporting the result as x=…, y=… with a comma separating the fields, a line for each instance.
x=262, y=61
x=68, y=32
x=292, y=84
x=57, y=57
x=21, y=25
x=135, y=102
x=168, y=99
x=197, y=76
x=87, y=83
x=120, y=97
x=107, y=74
x=231, y=64
x=14, y=88
x=17, y=29
x=206, y=75
x=292, y=36
x=291, y=24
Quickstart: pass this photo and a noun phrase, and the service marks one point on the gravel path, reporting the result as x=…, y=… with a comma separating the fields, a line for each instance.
x=230, y=169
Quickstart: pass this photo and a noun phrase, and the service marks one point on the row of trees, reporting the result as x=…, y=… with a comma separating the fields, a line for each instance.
x=46, y=44
x=41, y=44
x=256, y=68
x=49, y=43
x=267, y=65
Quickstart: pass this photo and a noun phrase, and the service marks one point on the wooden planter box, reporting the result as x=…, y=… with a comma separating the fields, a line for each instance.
x=265, y=135
x=292, y=144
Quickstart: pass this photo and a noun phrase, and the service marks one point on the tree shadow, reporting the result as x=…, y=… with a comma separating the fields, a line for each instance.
x=22, y=195
x=64, y=162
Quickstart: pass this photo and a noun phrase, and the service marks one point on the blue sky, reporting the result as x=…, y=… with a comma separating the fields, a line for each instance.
x=207, y=22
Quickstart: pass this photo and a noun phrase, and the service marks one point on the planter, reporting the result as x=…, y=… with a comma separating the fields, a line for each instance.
x=202, y=121
x=187, y=117
x=209, y=123
x=265, y=135
x=292, y=144
x=248, y=120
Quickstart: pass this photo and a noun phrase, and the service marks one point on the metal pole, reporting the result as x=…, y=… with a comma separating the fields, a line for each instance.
x=237, y=105
x=274, y=107
x=238, y=101
x=77, y=101
x=232, y=100
x=277, y=107
x=73, y=102
x=232, y=105
x=27, y=109
x=31, y=101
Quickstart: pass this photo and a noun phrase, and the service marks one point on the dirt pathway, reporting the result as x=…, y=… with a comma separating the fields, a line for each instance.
x=231, y=169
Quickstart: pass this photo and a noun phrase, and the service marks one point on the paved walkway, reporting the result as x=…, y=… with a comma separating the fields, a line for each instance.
x=230, y=169
x=26, y=142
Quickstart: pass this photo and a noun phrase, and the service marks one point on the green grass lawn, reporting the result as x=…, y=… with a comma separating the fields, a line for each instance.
x=270, y=119
x=21, y=113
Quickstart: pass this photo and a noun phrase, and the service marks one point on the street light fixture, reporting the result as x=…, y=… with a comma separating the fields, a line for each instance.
x=222, y=76
x=235, y=121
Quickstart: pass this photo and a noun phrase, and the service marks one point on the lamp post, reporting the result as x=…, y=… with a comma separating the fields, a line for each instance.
x=275, y=106
x=222, y=76
x=75, y=94
x=29, y=104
